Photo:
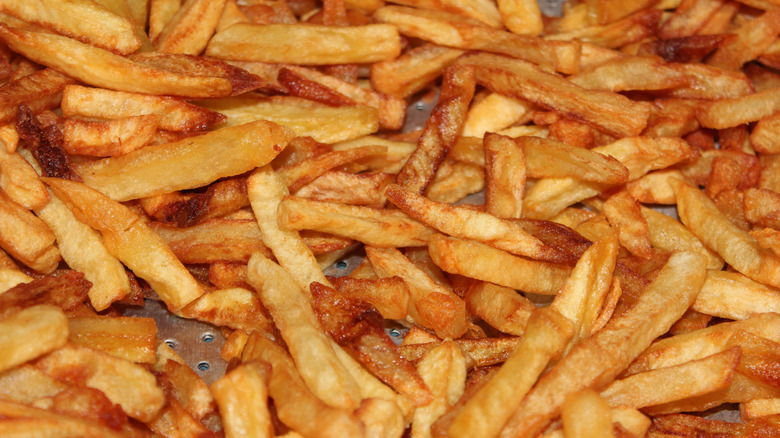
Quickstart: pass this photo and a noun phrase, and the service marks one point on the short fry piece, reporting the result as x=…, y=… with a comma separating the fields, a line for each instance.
x=242, y=397
x=444, y=371
x=586, y=415
x=46, y=325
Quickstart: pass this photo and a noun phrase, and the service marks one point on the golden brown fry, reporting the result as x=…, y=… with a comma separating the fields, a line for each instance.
x=752, y=39
x=145, y=172
x=131, y=241
x=289, y=305
x=102, y=68
x=83, y=20
x=485, y=413
x=480, y=261
x=413, y=70
x=597, y=360
x=368, y=225
x=737, y=247
x=363, y=189
x=454, y=31
x=20, y=181
x=441, y=130
x=46, y=324
x=605, y=111
x=669, y=234
x=266, y=191
x=307, y=45
x=216, y=240
x=432, y=305
x=500, y=233
x=27, y=238
x=623, y=213
x=190, y=28
x=505, y=173
x=303, y=172
x=443, y=369
x=39, y=90
x=501, y=307
x=105, y=139
x=295, y=404
x=390, y=295
x=732, y=295
x=129, y=338
x=242, y=396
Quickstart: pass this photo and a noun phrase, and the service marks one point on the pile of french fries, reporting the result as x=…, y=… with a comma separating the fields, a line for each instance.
x=620, y=278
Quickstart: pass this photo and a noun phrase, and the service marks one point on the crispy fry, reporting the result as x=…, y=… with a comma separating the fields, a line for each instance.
x=190, y=28
x=27, y=238
x=259, y=143
x=104, y=69
x=46, y=324
x=501, y=307
x=129, y=338
x=413, y=70
x=115, y=137
x=505, y=173
x=443, y=369
x=242, y=398
x=39, y=90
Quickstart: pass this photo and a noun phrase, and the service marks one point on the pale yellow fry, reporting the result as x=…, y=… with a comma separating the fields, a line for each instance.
x=160, y=12
x=760, y=407
x=493, y=113
x=266, y=191
x=84, y=20
x=432, y=305
x=632, y=420
x=443, y=370
x=190, y=28
x=306, y=45
x=582, y=297
x=12, y=277
x=242, y=397
x=309, y=346
x=161, y=169
x=732, y=295
x=623, y=212
x=501, y=307
x=381, y=418
x=131, y=241
x=102, y=68
x=665, y=385
x=413, y=70
x=29, y=422
x=306, y=118
x=486, y=412
x=25, y=384
x=727, y=113
x=142, y=400
x=600, y=358
x=521, y=17
x=31, y=333
x=481, y=10
x=483, y=262
x=586, y=415
x=737, y=247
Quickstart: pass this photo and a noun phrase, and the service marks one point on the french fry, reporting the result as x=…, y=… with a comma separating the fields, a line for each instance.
x=586, y=414
x=688, y=18
x=493, y=113
x=108, y=374
x=242, y=396
x=444, y=371
x=190, y=28
x=477, y=260
x=501, y=307
x=115, y=137
x=689, y=379
x=441, y=130
x=727, y=113
x=366, y=340
x=306, y=45
x=309, y=346
x=102, y=68
x=523, y=80
x=216, y=240
x=46, y=324
x=38, y=423
x=295, y=404
x=27, y=238
x=760, y=407
x=413, y=70
x=306, y=118
x=639, y=154
x=505, y=174
x=623, y=213
x=631, y=73
x=362, y=189
x=431, y=304
x=752, y=39
x=39, y=90
x=260, y=143
x=666, y=233
x=82, y=20
x=454, y=181
x=20, y=182
x=26, y=384
x=734, y=296
x=451, y=30
x=619, y=33
x=266, y=191
x=371, y=226
x=303, y=172
x=737, y=247
x=175, y=114
x=597, y=360
x=234, y=307
x=160, y=12
x=521, y=17
x=124, y=235
x=128, y=338
x=390, y=295
x=485, y=413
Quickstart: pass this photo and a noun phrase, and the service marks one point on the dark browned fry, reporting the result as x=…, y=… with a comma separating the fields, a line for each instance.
x=357, y=326
x=65, y=289
x=302, y=87
x=39, y=91
x=45, y=144
x=685, y=49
